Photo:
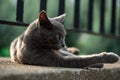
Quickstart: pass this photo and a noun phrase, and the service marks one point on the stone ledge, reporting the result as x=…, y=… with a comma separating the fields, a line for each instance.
x=14, y=71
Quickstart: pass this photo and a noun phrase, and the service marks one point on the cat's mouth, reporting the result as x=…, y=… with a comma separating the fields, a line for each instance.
x=57, y=48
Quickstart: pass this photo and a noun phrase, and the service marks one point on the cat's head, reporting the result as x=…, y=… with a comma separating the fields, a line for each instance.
x=52, y=31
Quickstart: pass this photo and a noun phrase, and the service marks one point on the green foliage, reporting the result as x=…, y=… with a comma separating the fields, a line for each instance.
x=4, y=52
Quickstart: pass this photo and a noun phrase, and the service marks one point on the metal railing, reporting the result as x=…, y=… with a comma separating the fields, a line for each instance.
x=43, y=3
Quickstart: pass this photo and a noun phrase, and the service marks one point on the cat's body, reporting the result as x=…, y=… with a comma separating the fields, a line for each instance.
x=43, y=44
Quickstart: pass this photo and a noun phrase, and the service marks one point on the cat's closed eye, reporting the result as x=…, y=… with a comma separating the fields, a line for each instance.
x=58, y=36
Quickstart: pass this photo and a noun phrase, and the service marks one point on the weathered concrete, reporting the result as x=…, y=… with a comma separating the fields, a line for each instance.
x=14, y=71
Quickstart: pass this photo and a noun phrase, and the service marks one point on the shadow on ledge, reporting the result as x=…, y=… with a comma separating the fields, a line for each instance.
x=13, y=71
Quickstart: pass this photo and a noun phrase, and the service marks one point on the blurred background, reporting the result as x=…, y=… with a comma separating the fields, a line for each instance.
x=87, y=43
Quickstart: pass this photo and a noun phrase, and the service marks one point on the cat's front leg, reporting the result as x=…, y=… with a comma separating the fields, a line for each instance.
x=72, y=50
x=65, y=52
x=85, y=61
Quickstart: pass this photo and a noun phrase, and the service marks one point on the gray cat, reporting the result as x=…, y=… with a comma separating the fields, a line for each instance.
x=43, y=43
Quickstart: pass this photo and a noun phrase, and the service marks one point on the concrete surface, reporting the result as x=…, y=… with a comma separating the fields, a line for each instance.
x=14, y=71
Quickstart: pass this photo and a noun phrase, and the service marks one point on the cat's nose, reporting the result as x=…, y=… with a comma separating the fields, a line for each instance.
x=62, y=42
x=63, y=45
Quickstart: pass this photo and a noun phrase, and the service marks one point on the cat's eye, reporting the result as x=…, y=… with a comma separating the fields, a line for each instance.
x=57, y=36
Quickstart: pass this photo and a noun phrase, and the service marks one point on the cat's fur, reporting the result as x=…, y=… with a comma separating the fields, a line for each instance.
x=43, y=44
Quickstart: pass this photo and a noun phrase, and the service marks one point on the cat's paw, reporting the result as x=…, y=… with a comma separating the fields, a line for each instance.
x=109, y=57
x=73, y=50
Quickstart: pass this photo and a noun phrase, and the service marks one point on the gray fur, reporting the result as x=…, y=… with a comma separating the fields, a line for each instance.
x=43, y=44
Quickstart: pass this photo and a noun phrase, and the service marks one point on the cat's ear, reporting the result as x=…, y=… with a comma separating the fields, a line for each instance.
x=43, y=19
x=60, y=18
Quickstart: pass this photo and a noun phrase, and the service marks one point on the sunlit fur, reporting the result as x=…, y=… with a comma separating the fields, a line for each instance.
x=43, y=43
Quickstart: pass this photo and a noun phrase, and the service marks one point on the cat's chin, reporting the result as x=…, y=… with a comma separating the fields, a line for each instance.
x=56, y=48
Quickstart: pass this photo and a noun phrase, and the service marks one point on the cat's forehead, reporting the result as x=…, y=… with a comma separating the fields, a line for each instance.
x=58, y=26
